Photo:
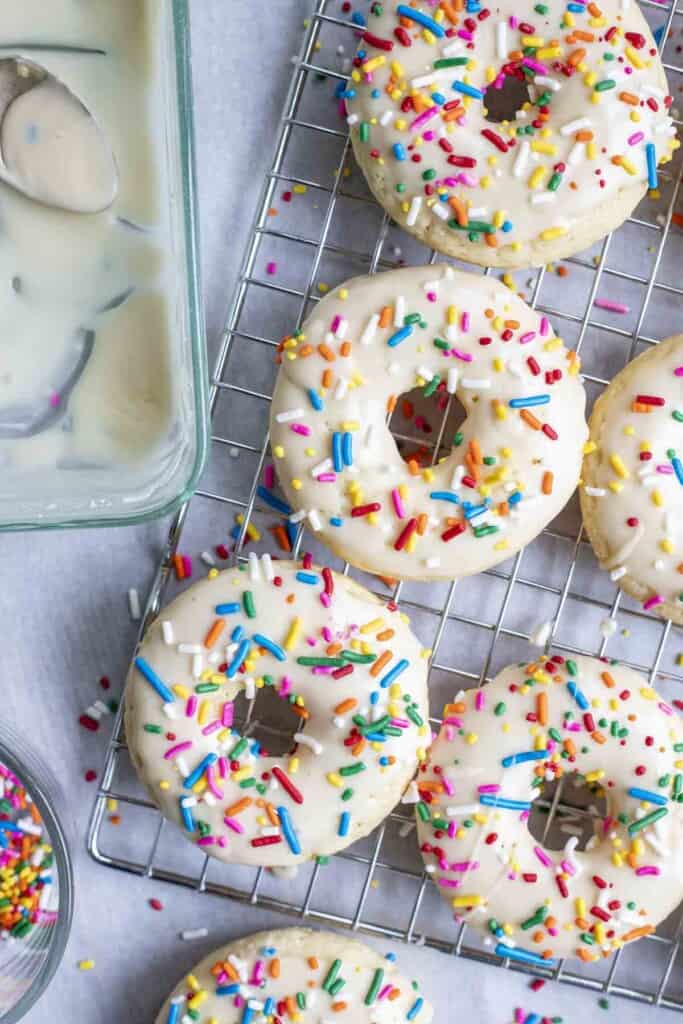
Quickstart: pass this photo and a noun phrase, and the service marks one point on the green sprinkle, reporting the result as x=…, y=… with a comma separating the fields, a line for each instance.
x=544, y=99
x=500, y=708
x=555, y=182
x=352, y=769
x=429, y=175
x=451, y=62
x=375, y=986
x=572, y=667
x=555, y=734
x=414, y=717
x=588, y=939
x=207, y=688
x=360, y=659
x=458, y=439
x=475, y=226
x=247, y=783
x=423, y=811
x=364, y=131
x=301, y=1000
x=649, y=819
x=332, y=974
x=541, y=9
x=346, y=794
x=411, y=318
x=432, y=386
x=248, y=602
x=326, y=662
x=678, y=416
x=239, y=748
x=440, y=343
x=607, y=83
x=148, y=728
x=336, y=987
x=603, y=1003
x=485, y=531
x=538, y=918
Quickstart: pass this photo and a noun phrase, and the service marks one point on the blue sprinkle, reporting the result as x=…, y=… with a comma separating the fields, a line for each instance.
x=473, y=6
x=507, y=225
x=238, y=658
x=374, y=697
x=657, y=36
x=358, y=19
x=344, y=821
x=391, y=957
x=375, y=94
x=523, y=955
x=393, y=673
x=579, y=697
x=231, y=608
x=502, y=801
x=194, y=777
x=227, y=990
x=337, y=457
x=4, y=842
x=269, y=1006
x=186, y=815
x=248, y=1015
x=153, y=679
x=515, y=498
x=270, y=645
x=527, y=755
x=533, y=1018
x=421, y=19
x=376, y=737
x=468, y=90
x=347, y=448
x=400, y=336
x=315, y=400
x=336, y=521
x=576, y=8
x=645, y=794
x=8, y=826
x=237, y=634
x=438, y=98
x=384, y=761
x=291, y=532
x=472, y=511
x=400, y=151
x=415, y=1009
x=651, y=157
x=173, y=1013
x=678, y=469
x=255, y=748
x=445, y=496
x=340, y=90
x=288, y=830
x=308, y=577
x=524, y=403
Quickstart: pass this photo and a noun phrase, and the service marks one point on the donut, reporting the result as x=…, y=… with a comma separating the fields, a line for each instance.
x=496, y=748
x=632, y=492
x=507, y=135
x=350, y=672
x=295, y=974
x=512, y=464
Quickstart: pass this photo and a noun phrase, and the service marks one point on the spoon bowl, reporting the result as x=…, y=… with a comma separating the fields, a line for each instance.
x=52, y=149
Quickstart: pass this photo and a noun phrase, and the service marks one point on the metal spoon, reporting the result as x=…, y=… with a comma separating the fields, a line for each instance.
x=52, y=149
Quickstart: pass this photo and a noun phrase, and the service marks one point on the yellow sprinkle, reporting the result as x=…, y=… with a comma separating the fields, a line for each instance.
x=299, y=189
x=204, y=712
x=181, y=691
x=112, y=805
x=471, y=738
x=278, y=451
x=647, y=693
x=164, y=785
x=252, y=532
x=293, y=765
x=373, y=627
x=590, y=446
x=533, y=41
x=467, y=901
x=536, y=177
x=375, y=62
x=656, y=497
x=544, y=147
x=549, y=52
x=633, y=57
x=550, y=233
x=197, y=1000
x=595, y=776
x=86, y=965
x=334, y=779
x=292, y=634
x=667, y=546
x=617, y=464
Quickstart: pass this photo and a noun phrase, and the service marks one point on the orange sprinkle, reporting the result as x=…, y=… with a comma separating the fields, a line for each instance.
x=358, y=748
x=413, y=467
x=542, y=708
x=388, y=581
x=386, y=634
x=214, y=633
x=515, y=55
x=628, y=97
x=313, y=963
x=595, y=10
x=384, y=658
x=301, y=712
x=305, y=350
x=640, y=407
x=575, y=57
x=345, y=349
x=491, y=241
x=454, y=709
x=638, y=933
x=598, y=737
x=274, y=968
x=386, y=316
x=585, y=37
x=272, y=814
x=179, y=567
x=677, y=219
x=584, y=955
x=422, y=524
x=333, y=649
x=503, y=508
x=608, y=680
x=569, y=747
x=238, y=807
x=547, y=484
x=338, y=1007
x=327, y=353
x=530, y=419
x=290, y=1003
x=475, y=450
x=584, y=136
x=450, y=11
x=281, y=537
x=391, y=403
x=346, y=705
x=453, y=114
x=327, y=378
x=394, y=994
x=460, y=211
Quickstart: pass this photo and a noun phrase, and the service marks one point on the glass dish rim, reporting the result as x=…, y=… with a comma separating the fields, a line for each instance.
x=58, y=839
x=187, y=160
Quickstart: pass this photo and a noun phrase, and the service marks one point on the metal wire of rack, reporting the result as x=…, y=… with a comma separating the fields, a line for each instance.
x=343, y=231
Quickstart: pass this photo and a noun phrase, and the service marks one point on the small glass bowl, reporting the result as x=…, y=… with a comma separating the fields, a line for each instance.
x=28, y=964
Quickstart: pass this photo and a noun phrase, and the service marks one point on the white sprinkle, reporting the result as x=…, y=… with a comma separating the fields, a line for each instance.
x=268, y=570
x=314, y=520
x=521, y=159
x=190, y=648
x=425, y=373
x=608, y=628
x=576, y=154
x=653, y=90
x=617, y=573
x=309, y=741
x=386, y=118
x=170, y=710
x=543, y=198
x=432, y=563
x=458, y=475
x=352, y=119
x=207, y=558
x=414, y=211
x=502, y=40
x=577, y=125
x=190, y=934
x=182, y=767
x=452, y=382
x=291, y=414
x=547, y=83
x=197, y=665
x=476, y=383
x=167, y=631
x=457, y=809
x=439, y=210
x=399, y=311
x=134, y=604
x=541, y=634
x=411, y=795
x=452, y=332
x=298, y=517
x=368, y=335
x=452, y=48
x=664, y=128
x=254, y=567
x=595, y=492
x=323, y=467
x=479, y=211
x=342, y=328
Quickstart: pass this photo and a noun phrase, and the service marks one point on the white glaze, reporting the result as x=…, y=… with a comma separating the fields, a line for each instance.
x=488, y=880
x=544, y=223
x=318, y=767
x=631, y=476
x=485, y=377
x=292, y=961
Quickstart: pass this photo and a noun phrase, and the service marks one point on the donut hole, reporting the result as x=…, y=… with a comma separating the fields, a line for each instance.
x=425, y=427
x=502, y=104
x=269, y=719
x=566, y=807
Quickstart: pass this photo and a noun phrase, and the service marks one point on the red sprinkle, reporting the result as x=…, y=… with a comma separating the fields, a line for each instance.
x=365, y=510
x=156, y=904
x=377, y=42
x=89, y=723
x=405, y=534
x=288, y=785
x=453, y=531
x=266, y=840
x=495, y=139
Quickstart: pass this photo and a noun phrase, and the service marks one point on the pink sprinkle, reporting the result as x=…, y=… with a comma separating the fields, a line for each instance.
x=269, y=475
x=452, y=829
x=447, y=785
x=206, y=841
x=449, y=883
x=513, y=21
x=467, y=179
x=666, y=708
x=452, y=720
x=428, y=136
x=678, y=372
x=177, y=749
x=397, y=502
x=432, y=296
x=479, y=700
x=213, y=727
x=218, y=793
x=490, y=787
x=335, y=324
x=187, y=566
x=234, y=825
x=384, y=992
x=422, y=118
x=526, y=338
x=465, y=321
x=326, y=478
x=271, y=268
x=285, y=687
x=54, y=399
x=545, y=326
x=325, y=599
x=634, y=139
x=222, y=842
x=450, y=732
x=459, y=354
x=327, y=635
x=664, y=469
x=535, y=65
x=612, y=307
x=257, y=973
x=223, y=767
x=519, y=1012
x=653, y=601
x=568, y=867
x=543, y=857
x=465, y=865
x=464, y=34
x=191, y=707
x=227, y=714
x=300, y=428
x=648, y=869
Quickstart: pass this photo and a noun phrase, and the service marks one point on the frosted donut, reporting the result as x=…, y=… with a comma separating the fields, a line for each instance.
x=497, y=745
x=348, y=665
x=565, y=171
x=294, y=974
x=632, y=493
x=514, y=461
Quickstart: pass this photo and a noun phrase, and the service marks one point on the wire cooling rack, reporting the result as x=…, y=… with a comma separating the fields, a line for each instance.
x=317, y=225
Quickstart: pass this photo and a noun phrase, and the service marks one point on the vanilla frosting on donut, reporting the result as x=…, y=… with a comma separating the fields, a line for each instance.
x=294, y=974
x=514, y=461
x=346, y=664
x=561, y=173
x=497, y=747
x=632, y=493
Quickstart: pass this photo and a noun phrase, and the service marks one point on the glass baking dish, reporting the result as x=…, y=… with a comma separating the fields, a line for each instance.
x=77, y=470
